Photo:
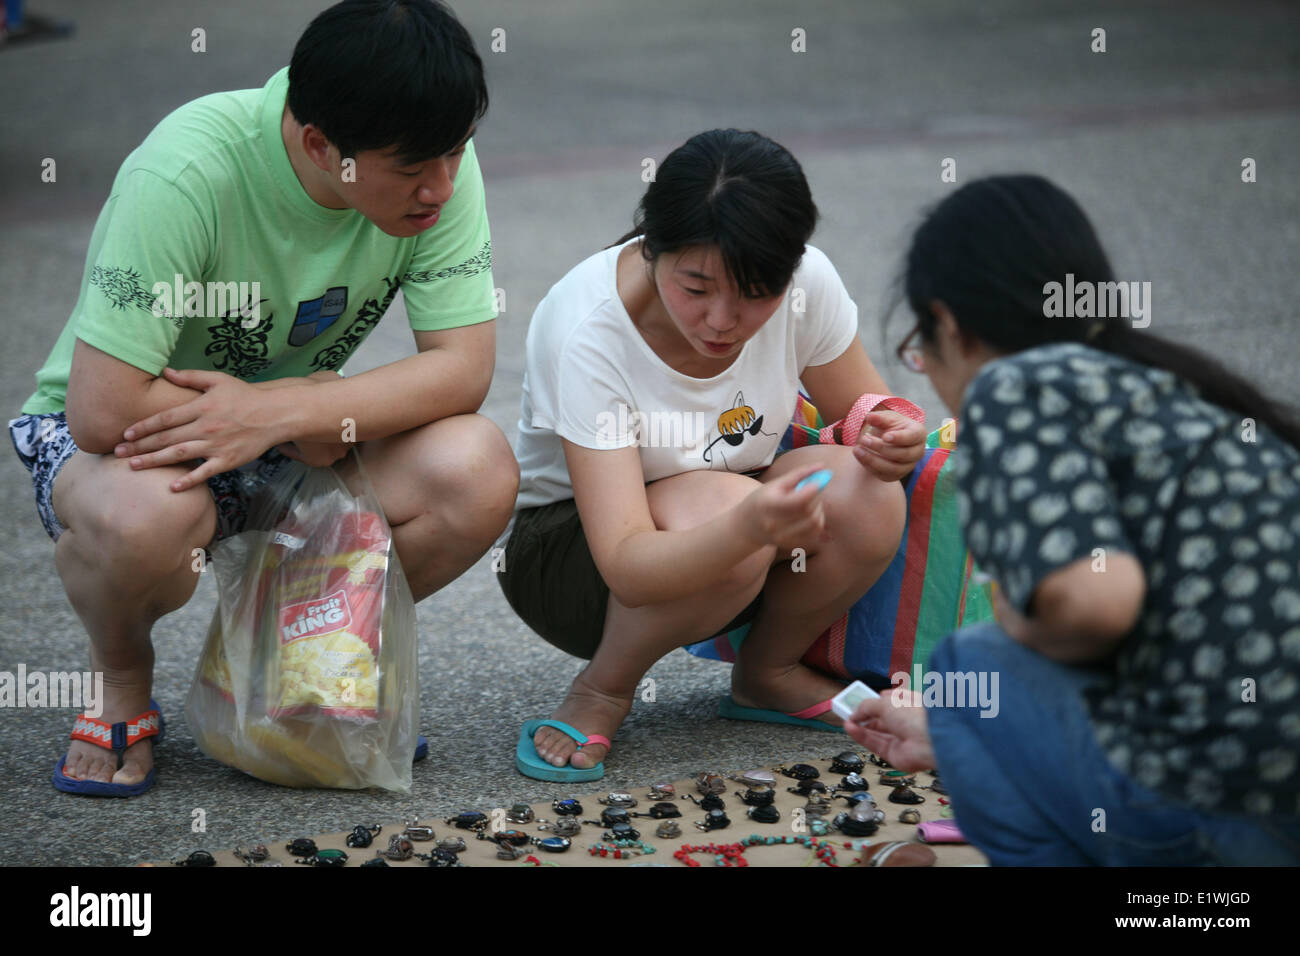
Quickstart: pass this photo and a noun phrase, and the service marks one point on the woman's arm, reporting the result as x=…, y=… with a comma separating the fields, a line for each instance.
x=643, y=565
x=835, y=386
x=1078, y=614
x=893, y=443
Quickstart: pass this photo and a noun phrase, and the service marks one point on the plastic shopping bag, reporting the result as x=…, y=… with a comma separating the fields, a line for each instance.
x=308, y=677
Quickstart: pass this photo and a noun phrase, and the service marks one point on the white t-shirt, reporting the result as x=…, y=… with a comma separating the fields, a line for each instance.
x=592, y=378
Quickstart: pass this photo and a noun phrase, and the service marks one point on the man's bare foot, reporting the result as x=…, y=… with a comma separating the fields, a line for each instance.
x=790, y=691
x=586, y=709
x=87, y=762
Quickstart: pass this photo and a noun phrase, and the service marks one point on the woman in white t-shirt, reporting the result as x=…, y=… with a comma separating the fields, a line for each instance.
x=662, y=373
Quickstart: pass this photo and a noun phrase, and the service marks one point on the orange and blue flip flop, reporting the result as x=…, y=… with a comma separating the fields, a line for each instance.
x=116, y=737
x=530, y=764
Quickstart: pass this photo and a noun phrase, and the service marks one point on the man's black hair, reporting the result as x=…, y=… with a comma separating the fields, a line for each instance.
x=381, y=74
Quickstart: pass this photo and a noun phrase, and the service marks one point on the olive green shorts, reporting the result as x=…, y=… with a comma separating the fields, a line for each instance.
x=551, y=581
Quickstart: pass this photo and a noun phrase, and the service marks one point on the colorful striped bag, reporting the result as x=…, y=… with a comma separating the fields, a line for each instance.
x=928, y=590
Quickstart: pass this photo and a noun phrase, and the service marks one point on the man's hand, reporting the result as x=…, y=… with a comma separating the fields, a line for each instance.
x=891, y=446
x=229, y=425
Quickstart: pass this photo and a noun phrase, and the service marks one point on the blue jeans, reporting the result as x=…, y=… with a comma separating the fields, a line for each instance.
x=1027, y=784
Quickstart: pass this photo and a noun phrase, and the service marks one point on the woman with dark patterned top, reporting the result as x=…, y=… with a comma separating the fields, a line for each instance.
x=1139, y=507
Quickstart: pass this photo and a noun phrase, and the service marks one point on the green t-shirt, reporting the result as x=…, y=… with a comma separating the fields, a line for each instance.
x=210, y=196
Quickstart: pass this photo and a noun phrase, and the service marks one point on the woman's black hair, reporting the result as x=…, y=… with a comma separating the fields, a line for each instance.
x=739, y=191
x=988, y=251
x=379, y=74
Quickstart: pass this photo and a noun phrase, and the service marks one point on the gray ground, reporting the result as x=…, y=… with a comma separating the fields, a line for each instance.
x=1149, y=136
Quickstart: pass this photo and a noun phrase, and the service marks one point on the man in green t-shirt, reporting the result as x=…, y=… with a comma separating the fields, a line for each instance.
x=248, y=247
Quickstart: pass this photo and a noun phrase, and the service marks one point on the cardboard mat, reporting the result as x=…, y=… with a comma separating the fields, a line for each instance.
x=484, y=852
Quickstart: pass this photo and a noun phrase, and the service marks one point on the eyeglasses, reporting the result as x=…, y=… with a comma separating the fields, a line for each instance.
x=910, y=354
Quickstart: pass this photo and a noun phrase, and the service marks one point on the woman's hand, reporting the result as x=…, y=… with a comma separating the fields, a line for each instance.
x=777, y=514
x=891, y=446
x=229, y=425
x=894, y=727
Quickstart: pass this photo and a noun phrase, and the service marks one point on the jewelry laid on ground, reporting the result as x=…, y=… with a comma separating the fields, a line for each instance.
x=362, y=836
x=814, y=823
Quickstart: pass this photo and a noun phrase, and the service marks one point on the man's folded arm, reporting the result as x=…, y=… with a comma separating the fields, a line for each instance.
x=107, y=395
x=450, y=376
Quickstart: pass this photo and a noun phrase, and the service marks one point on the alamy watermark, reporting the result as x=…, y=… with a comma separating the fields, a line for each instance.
x=81, y=690
x=653, y=429
x=1098, y=300
x=208, y=300
x=947, y=689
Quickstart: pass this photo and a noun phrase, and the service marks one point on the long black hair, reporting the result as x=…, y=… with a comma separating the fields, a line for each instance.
x=989, y=250
x=379, y=74
x=739, y=191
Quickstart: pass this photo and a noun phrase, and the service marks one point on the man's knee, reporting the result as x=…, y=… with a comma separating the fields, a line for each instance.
x=474, y=469
x=120, y=511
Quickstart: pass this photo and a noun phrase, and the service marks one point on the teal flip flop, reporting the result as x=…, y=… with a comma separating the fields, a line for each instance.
x=530, y=764
x=728, y=708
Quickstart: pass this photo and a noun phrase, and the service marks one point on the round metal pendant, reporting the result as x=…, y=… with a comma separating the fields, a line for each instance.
x=256, y=855
x=710, y=783
x=661, y=811
x=568, y=807
x=467, y=820
x=513, y=837
x=618, y=798
x=854, y=782
x=758, y=797
x=421, y=833
x=622, y=831
x=662, y=791
x=758, y=778
x=712, y=802
x=362, y=836
x=555, y=844
x=805, y=787
x=904, y=795
x=802, y=771
x=441, y=858
x=715, y=820
x=520, y=813
x=302, y=847
x=897, y=778
x=668, y=830
x=399, y=848
x=612, y=815
x=846, y=824
x=848, y=762
x=764, y=814
x=566, y=827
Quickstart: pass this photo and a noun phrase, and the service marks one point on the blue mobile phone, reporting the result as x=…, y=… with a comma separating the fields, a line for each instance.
x=819, y=478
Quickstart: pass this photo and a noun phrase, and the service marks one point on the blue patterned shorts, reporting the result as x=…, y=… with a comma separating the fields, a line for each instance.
x=45, y=445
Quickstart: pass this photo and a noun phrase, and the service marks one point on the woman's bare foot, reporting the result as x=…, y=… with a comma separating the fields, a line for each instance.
x=589, y=710
x=85, y=761
x=789, y=691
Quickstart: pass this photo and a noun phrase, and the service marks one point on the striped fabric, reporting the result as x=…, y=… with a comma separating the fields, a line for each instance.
x=926, y=592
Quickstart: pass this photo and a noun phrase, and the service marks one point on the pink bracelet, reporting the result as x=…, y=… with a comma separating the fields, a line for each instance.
x=846, y=430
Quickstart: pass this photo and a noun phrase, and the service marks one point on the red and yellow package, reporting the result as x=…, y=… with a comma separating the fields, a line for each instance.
x=328, y=619
x=308, y=676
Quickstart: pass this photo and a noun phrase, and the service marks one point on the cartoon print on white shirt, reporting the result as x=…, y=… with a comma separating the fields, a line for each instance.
x=733, y=424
